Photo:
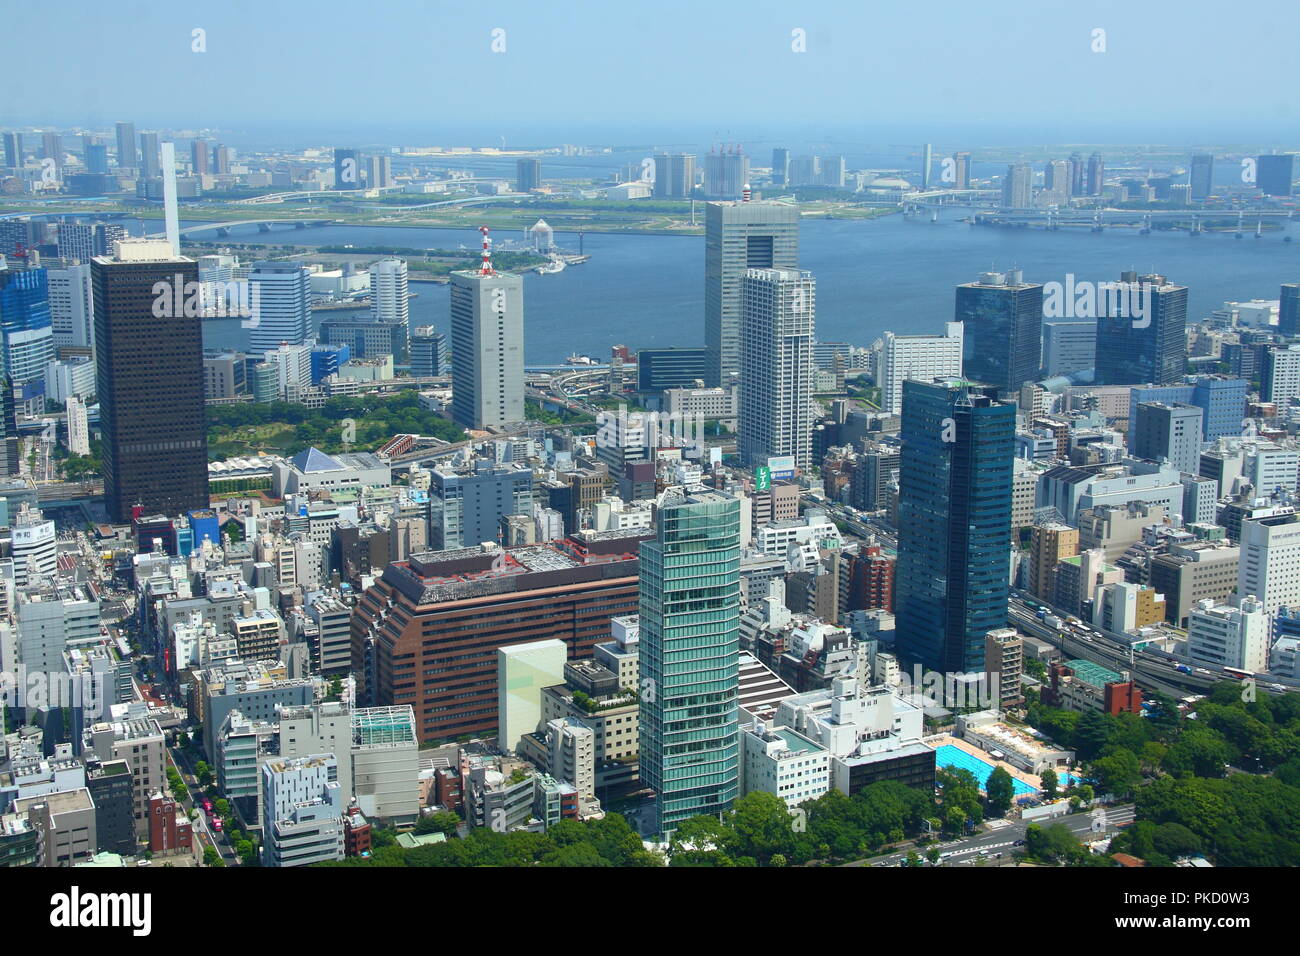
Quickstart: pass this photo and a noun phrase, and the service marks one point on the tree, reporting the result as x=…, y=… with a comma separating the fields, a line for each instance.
x=1118, y=773
x=700, y=841
x=211, y=857
x=1048, y=780
x=762, y=826
x=933, y=855
x=1000, y=790
x=444, y=821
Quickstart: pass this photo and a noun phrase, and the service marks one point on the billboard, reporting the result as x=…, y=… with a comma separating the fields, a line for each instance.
x=781, y=467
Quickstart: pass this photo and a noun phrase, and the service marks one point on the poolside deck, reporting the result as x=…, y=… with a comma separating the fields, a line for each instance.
x=939, y=740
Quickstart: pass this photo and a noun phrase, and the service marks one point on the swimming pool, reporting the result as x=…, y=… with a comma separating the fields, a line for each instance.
x=949, y=756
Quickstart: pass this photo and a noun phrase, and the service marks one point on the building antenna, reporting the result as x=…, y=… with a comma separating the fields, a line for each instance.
x=486, y=268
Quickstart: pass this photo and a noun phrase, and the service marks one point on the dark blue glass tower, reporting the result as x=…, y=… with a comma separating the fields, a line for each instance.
x=954, y=512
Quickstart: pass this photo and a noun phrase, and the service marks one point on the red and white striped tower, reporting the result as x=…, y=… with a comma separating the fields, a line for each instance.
x=486, y=269
x=746, y=194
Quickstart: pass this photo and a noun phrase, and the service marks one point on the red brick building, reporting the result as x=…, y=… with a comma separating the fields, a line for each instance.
x=427, y=633
x=169, y=828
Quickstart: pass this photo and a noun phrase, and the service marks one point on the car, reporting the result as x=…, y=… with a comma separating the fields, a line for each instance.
x=1019, y=843
x=207, y=805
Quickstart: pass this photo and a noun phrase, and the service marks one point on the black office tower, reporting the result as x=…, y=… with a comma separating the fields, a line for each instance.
x=150, y=381
x=1288, y=312
x=954, y=520
x=1201, y=177
x=1144, y=340
x=1002, y=317
x=1274, y=174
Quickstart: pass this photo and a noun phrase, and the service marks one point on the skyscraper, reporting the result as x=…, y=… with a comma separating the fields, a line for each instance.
x=347, y=169
x=97, y=158
x=1201, y=177
x=1274, y=174
x=379, y=171
x=390, y=298
x=689, y=656
x=1003, y=318
x=1288, y=312
x=126, y=155
x=1076, y=174
x=674, y=175
x=200, y=157
x=150, y=382
x=280, y=295
x=13, y=149
x=777, y=333
x=954, y=519
x=1149, y=349
x=149, y=165
x=1096, y=173
x=739, y=236
x=780, y=166
x=25, y=323
x=487, y=348
x=923, y=357
x=528, y=174
x=52, y=148
x=725, y=174
x=961, y=170
x=927, y=160
x=1018, y=186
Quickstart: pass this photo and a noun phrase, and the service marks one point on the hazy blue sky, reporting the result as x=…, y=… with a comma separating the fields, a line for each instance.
x=1005, y=71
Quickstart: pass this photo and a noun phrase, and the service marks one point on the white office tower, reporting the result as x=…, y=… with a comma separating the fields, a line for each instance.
x=302, y=811
x=218, y=286
x=389, y=296
x=1270, y=561
x=1230, y=635
x=72, y=313
x=487, y=348
x=78, y=427
x=922, y=357
x=777, y=336
x=292, y=364
x=280, y=295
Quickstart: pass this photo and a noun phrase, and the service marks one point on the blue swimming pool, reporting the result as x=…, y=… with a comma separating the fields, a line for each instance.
x=949, y=756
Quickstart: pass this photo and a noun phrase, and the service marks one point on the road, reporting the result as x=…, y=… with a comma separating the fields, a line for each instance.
x=203, y=832
x=999, y=843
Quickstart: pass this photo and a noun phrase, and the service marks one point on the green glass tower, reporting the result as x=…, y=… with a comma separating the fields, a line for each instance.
x=690, y=656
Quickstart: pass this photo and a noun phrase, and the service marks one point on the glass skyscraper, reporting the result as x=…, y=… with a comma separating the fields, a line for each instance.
x=1150, y=349
x=954, y=519
x=690, y=665
x=1002, y=338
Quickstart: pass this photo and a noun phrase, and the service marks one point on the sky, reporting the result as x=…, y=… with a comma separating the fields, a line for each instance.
x=1009, y=72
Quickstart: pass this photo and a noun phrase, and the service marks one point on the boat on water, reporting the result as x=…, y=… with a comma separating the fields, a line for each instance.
x=555, y=265
x=576, y=359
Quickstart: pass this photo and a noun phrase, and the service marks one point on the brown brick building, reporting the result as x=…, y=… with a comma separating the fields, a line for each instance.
x=427, y=633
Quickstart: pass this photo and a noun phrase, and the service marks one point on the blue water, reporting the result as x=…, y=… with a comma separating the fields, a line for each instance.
x=950, y=756
x=891, y=273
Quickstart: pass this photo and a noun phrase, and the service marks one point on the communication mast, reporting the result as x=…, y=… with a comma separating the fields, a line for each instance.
x=486, y=268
